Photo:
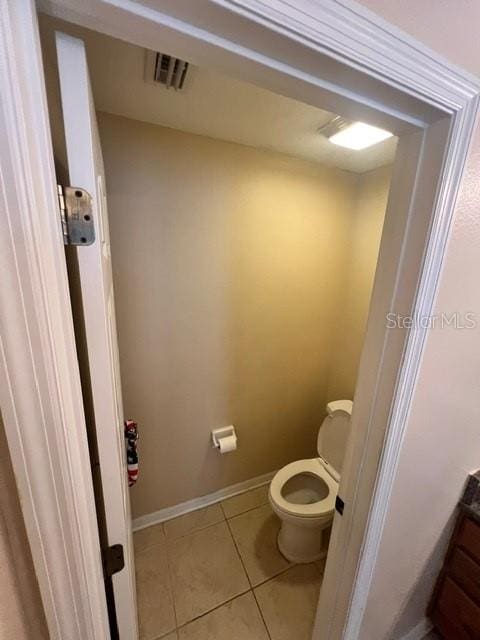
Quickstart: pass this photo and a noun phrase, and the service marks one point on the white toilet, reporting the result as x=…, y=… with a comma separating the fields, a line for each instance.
x=303, y=493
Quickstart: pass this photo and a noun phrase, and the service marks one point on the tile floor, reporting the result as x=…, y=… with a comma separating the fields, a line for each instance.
x=216, y=573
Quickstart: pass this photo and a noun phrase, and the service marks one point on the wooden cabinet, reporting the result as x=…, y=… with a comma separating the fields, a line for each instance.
x=455, y=605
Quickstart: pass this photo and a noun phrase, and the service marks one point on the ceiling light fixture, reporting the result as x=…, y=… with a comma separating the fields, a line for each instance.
x=353, y=135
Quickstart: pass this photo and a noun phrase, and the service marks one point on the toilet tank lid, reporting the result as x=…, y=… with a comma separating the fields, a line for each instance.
x=344, y=406
x=333, y=435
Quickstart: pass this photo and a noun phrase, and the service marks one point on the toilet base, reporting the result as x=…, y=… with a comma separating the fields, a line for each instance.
x=300, y=544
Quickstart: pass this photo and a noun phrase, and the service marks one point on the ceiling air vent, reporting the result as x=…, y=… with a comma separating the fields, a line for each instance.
x=164, y=69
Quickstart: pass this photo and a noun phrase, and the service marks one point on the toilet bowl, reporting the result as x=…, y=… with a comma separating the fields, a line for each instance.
x=303, y=493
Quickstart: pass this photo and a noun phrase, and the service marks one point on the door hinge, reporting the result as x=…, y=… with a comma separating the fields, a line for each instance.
x=339, y=505
x=113, y=559
x=76, y=215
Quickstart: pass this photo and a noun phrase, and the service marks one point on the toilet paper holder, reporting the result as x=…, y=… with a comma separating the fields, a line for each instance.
x=223, y=432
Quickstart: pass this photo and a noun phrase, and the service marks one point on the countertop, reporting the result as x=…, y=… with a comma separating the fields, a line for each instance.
x=470, y=501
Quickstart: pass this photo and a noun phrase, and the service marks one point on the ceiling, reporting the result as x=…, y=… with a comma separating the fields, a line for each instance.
x=211, y=104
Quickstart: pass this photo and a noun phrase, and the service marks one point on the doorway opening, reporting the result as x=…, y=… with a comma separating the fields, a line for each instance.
x=244, y=247
x=413, y=206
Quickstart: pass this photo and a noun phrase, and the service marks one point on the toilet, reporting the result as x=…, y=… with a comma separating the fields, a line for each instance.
x=303, y=493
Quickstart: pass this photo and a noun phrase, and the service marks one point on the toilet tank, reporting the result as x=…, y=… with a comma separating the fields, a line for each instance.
x=334, y=432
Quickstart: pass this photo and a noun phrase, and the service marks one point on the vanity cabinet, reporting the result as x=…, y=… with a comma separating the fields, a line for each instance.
x=455, y=605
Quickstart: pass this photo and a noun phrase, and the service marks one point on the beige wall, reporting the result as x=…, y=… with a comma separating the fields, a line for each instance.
x=368, y=214
x=229, y=267
x=21, y=612
x=442, y=442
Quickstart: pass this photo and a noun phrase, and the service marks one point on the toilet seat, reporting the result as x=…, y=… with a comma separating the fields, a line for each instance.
x=312, y=466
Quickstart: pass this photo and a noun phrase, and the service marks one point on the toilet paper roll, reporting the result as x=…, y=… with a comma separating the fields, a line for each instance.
x=229, y=443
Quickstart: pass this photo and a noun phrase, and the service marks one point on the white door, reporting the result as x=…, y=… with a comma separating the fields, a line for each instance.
x=85, y=165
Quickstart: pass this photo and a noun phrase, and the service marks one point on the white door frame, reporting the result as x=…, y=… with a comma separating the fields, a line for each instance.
x=40, y=393
x=334, y=53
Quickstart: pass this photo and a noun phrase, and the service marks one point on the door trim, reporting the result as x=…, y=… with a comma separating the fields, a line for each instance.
x=40, y=393
x=410, y=88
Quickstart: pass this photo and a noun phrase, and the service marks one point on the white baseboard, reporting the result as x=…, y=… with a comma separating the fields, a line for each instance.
x=419, y=631
x=197, y=503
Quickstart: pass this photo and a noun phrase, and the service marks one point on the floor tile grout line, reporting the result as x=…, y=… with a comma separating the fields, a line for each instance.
x=179, y=626
x=229, y=600
x=191, y=533
x=250, y=582
x=246, y=511
x=225, y=517
x=169, y=577
x=254, y=586
x=152, y=544
x=242, y=593
x=242, y=513
x=166, y=544
x=167, y=548
x=170, y=581
x=223, y=510
x=164, y=635
x=239, y=554
x=261, y=614
x=276, y=575
x=218, y=606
